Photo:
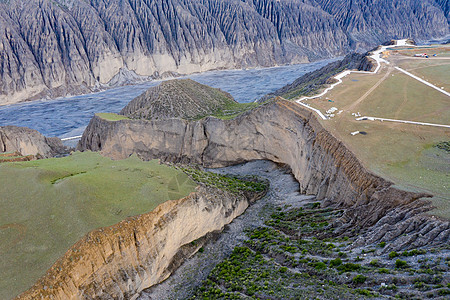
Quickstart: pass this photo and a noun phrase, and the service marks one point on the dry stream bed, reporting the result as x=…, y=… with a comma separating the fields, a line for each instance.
x=285, y=247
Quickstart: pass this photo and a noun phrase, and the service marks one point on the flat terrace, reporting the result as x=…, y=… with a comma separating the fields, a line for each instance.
x=407, y=154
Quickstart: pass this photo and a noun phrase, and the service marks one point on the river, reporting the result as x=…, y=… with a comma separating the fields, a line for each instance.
x=69, y=116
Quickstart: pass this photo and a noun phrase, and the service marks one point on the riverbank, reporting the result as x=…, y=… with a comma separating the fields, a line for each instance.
x=66, y=117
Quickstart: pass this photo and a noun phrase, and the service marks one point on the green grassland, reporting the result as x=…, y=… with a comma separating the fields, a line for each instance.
x=403, y=153
x=409, y=63
x=232, y=110
x=47, y=205
x=437, y=75
x=439, y=50
x=111, y=116
x=402, y=97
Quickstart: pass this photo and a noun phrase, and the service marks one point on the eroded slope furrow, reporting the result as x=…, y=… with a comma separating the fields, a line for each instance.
x=52, y=48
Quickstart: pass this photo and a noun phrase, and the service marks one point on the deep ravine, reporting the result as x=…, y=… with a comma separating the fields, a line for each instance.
x=285, y=246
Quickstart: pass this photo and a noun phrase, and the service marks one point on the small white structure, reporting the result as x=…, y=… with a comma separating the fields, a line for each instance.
x=354, y=132
x=332, y=110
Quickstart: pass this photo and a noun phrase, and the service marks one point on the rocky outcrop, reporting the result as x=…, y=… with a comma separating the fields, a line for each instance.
x=406, y=227
x=26, y=141
x=179, y=98
x=51, y=48
x=119, y=261
x=279, y=131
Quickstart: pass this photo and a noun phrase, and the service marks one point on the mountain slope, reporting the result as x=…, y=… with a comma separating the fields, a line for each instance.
x=52, y=48
x=179, y=98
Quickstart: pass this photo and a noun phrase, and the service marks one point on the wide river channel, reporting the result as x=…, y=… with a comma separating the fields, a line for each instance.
x=69, y=116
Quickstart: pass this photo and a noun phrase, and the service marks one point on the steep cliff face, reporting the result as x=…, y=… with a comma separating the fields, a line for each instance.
x=26, y=141
x=279, y=131
x=119, y=261
x=51, y=48
x=366, y=21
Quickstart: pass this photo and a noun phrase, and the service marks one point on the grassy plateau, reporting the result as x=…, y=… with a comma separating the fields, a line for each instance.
x=47, y=205
x=406, y=154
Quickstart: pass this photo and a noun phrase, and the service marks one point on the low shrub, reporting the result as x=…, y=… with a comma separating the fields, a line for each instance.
x=393, y=254
x=359, y=279
x=335, y=262
x=375, y=263
x=364, y=292
x=349, y=267
x=400, y=263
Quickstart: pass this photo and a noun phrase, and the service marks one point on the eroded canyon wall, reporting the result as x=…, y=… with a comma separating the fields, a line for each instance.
x=119, y=261
x=26, y=141
x=54, y=48
x=280, y=131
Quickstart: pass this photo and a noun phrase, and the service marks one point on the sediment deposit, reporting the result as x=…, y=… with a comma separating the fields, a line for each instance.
x=119, y=261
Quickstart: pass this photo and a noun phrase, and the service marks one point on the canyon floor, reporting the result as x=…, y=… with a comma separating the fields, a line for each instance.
x=286, y=245
x=283, y=247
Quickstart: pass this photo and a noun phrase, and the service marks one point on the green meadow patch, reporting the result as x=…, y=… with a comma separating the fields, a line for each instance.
x=47, y=205
x=111, y=116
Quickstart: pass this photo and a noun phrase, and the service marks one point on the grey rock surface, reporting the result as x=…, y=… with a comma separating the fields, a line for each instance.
x=26, y=141
x=279, y=131
x=53, y=48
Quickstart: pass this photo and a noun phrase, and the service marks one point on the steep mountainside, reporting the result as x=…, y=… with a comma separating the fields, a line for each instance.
x=51, y=48
x=366, y=21
x=184, y=98
x=312, y=81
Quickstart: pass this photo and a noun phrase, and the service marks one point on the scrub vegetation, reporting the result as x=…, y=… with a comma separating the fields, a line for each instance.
x=226, y=182
x=297, y=255
x=232, y=110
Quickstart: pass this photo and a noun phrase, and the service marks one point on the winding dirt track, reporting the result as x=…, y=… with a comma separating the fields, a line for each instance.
x=370, y=90
x=376, y=55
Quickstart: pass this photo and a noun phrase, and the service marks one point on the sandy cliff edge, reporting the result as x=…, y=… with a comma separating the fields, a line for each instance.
x=121, y=260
